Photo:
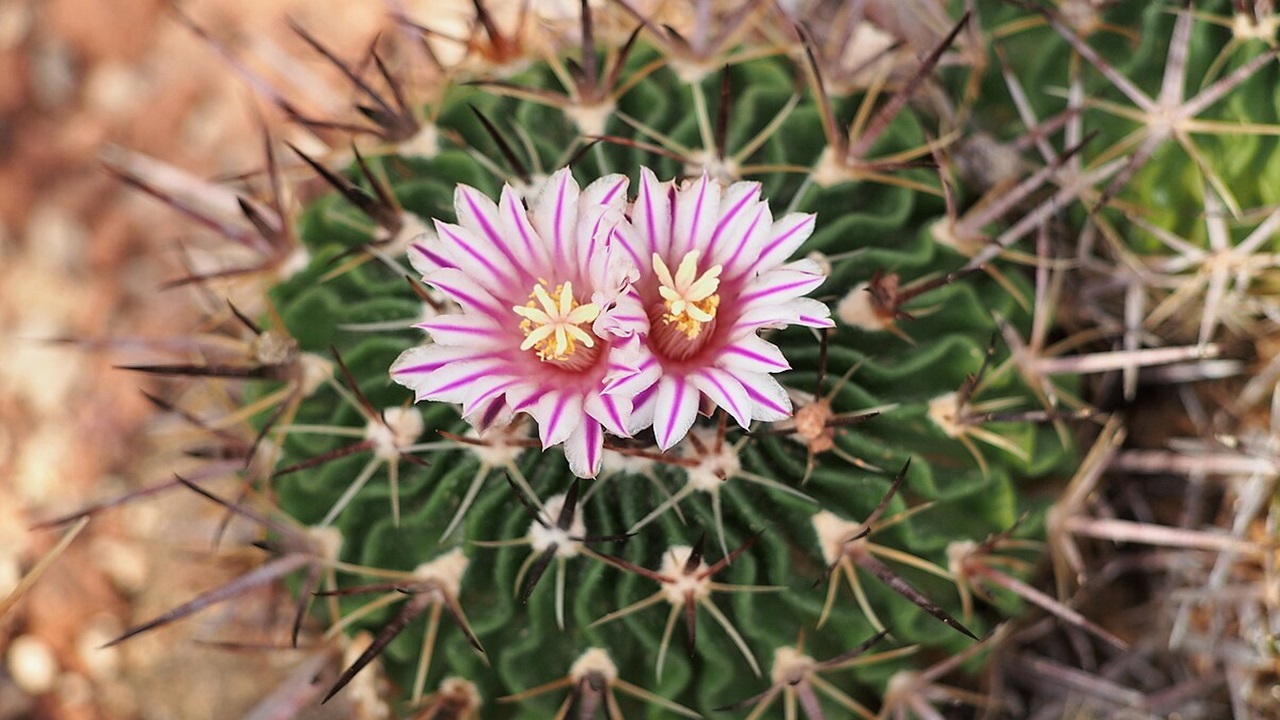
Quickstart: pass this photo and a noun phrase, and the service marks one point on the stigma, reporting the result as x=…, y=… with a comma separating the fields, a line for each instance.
x=690, y=299
x=552, y=325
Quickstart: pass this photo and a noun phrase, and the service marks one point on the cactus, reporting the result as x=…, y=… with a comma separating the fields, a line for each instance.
x=845, y=514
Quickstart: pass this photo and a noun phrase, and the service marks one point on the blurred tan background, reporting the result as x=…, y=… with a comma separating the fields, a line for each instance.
x=83, y=257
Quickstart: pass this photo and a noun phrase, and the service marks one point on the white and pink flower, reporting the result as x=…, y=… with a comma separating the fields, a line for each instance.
x=591, y=320
x=535, y=334
x=713, y=272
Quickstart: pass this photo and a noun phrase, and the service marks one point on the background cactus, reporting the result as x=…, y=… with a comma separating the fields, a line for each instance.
x=940, y=331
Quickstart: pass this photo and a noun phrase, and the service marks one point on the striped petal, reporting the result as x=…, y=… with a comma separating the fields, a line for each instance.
x=738, y=209
x=800, y=311
x=630, y=245
x=785, y=238
x=426, y=359
x=527, y=250
x=558, y=413
x=481, y=218
x=474, y=257
x=697, y=210
x=456, y=286
x=584, y=449
x=770, y=399
x=609, y=191
x=725, y=391
x=778, y=286
x=611, y=411
x=643, y=405
x=626, y=318
x=495, y=413
x=467, y=330
x=454, y=382
x=750, y=353
x=486, y=393
x=811, y=313
x=675, y=409
x=632, y=368
x=651, y=216
x=426, y=255
x=555, y=217
x=739, y=256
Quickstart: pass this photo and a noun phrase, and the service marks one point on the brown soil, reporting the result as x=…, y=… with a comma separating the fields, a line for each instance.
x=82, y=257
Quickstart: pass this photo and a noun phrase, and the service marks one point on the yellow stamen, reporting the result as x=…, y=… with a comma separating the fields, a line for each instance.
x=691, y=299
x=551, y=322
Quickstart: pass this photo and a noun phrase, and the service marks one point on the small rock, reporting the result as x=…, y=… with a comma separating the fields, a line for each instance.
x=125, y=563
x=32, y=664
x=100, y=663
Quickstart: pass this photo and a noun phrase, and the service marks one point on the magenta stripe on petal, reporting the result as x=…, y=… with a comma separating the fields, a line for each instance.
x=611, y=408
x=594, y=245
x=417, y=369
x=491, y=413
x=732, y=261
x=818, y=322
x=671, y=218
x=464, y=380
x=560, y=240
x=736, y=412
x=609, y=196
x=759, y=399
x=460, y=328
x=763, y=360
x=464, y=298
x=775, y=289
x=594, y=440
x=436, y=258
x=630, y=374
x=490, y=393
x=446, y=360
x=643, y=396
x=617, y=235
x=781, y=239
x=672, y=411
x=521, y=221
x=644, y=365
x=727, y=219
x=681, y=397
x=498, y=275
x=495, y=237
x=531, y=400
x=648, y=217
x=557, y=414
x=698, y=206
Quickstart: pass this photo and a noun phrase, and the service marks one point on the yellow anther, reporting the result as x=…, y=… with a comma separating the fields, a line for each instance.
x=690, y=298
x=551, y=322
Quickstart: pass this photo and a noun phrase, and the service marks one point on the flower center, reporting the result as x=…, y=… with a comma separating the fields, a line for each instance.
x=551, y=326
x=688, y=307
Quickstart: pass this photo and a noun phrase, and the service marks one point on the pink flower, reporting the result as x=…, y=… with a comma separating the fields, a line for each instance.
x=713, y=272
x=536, y=331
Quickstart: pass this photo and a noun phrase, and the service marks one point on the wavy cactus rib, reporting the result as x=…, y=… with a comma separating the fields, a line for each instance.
x=923, y=420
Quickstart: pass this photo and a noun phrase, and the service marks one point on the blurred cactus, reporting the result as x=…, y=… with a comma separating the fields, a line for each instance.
x=999, y=199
